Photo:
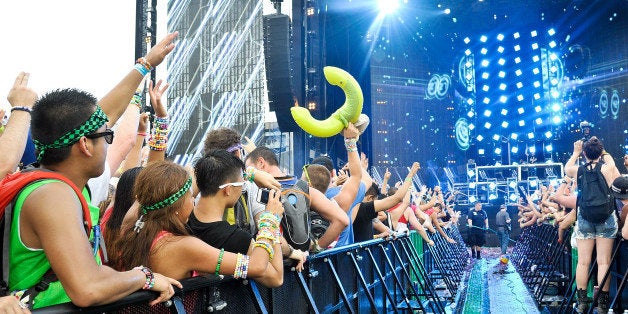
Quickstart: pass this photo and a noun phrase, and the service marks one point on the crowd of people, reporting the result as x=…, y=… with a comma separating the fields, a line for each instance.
x=124, y=217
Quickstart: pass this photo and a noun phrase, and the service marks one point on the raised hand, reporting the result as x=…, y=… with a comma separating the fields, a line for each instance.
x=350, y=131
x=415, y=167
x=248, y=145
x=158, y=53
x=156, y=92
x=20, y=94
x=142, y=127
x=364, y=161
x=577, y=147
x=386, y=175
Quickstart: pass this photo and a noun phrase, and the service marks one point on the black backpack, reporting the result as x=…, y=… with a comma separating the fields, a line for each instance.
x=595, y=201
x=296, y=216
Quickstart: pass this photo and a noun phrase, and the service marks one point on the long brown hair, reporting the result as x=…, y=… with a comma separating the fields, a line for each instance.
x=156, y=182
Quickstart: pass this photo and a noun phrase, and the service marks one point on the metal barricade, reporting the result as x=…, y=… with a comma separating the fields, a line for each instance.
x=377, y=276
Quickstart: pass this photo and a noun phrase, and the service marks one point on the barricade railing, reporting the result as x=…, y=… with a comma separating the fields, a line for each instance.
x=377, y=276
x=617, y=274
x=447, y=261
x=542, y=261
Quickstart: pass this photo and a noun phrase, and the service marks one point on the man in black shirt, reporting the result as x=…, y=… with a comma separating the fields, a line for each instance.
x=219, y=179
x=478, y=223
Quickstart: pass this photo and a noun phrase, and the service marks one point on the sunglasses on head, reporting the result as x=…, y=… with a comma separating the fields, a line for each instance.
x=107, y=134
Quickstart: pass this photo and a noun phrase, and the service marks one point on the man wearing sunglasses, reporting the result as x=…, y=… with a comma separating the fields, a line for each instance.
x=70, y=132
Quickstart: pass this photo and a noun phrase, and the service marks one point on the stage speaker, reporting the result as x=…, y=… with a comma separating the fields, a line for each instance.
x=277, y=51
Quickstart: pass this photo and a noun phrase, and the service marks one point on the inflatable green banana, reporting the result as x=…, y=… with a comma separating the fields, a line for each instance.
x=348, y=112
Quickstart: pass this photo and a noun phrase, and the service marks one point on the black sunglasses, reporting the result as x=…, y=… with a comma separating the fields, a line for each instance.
x=107, y=134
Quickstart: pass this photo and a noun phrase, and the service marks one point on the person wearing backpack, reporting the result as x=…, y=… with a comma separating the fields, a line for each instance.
x=596, y=221
x=263, y=158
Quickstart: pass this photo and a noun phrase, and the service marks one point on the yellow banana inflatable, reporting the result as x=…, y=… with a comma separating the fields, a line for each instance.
x=348, y=112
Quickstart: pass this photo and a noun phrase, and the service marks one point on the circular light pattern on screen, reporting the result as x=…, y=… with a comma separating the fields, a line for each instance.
x=462, y=134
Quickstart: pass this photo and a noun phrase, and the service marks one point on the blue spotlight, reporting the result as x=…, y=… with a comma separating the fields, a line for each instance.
x=533, y=34
x=555, y=94
x=481, y=151
x=485, y=75
x=487, y=113
x=519, y=85
x=516, y=35
x=537, y=84
x=522, y=123
x=496, y=137
x=504, y=112
x=500, y=49
x=514, y=136
x=485, y=88
x=537, y=109
x=518, y=72
x=500, y=37
x=467, y=52
x=517, y=60
x=556, y=119
x=549, y=148
x=555, y=107
x=447, y=11
x=551, y=32
x=471, y=126
x=502, y=86
x=517, y=47
x=479, y=138
x=536, y=71
x=487, y=125
x=483, y=51
x=467, y=40
x=537, y=96
x=520, y=97
x=470, y=101
x=514, y=150
x=531, y=136
x=521, y=110
x=552, y=44
x=486, y=100
x=484, y=63
x=501, y=74
x=503, y=99
x=501, y=61
x=548, y=134
x=470, y=114
x=536, y=58
x=483, y=38
x=535, y=46
x=387, y=6
x=538, y=121
x=504, y=124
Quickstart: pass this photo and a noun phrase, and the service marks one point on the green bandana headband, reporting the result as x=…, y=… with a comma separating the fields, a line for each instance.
x=170, y=200
x=95, y=121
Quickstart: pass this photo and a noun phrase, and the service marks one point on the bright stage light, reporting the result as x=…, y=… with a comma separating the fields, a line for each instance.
x=479, y=138
x=520, y=97
x=467, y=52
x=537, y=109
x=548, y=134
x=492, y=186
x=485, y=88
x=487, y=125
x=536, y=58
x=554, y=81
x=470, y=101
x=517, y=60
x=533, y=33
x=537, y=96
x=484, y=63
x=556, y=119
x=555, y=94
x=470, y=114
x=552, y=44
x=555, y=107
x=537, y=84
x=553, y=57
x=518, y=72
x=504, y=124
x=513, y=197
x=483, y=51
x=472, y=198
x=447, y=11
x=500, y=37
x=551, y=32
x=387, y=6
x=514, y=150
x=483, y=38
x=522, y=123
x=536, y=71
x=496, y=137
x=549, y=148
x=514, y=136
x=516, y=35
x=538, y=121
x=501, y=74
x=492, y=196
x=503, y=99
x=521, y=110
x=501, y=61
x=504, y=112
x=535, y=46
x=471, y=173
x=531, y=136
x=487, y=113
x=485, y=75
x=519, y=85
x=471, y=126
x=467, y=40
x=486, y=100
x=500, y=49
x=502, y=86
x=517, y=47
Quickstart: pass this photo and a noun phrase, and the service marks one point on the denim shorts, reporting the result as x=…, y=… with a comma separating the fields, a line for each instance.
x=589, y=230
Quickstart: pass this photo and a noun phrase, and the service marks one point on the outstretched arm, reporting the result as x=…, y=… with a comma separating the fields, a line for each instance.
x=115, y=102
x=394, y=199
x=349, y=189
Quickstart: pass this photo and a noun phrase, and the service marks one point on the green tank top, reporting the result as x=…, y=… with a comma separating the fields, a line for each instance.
x=26, y=265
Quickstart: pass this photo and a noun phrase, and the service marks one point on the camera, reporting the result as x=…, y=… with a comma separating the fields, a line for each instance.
x=585, y=128
x=263, y=196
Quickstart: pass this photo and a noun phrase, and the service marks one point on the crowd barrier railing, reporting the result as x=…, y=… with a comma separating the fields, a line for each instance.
x=377, y=276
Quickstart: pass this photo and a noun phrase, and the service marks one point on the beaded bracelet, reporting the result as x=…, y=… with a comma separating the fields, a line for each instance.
x=265, y=246
x=222, y=252
x=144, y=63
x=22, y=108
x=249, y=173
x=242, y=265
x=150, y=277
x=351, y=144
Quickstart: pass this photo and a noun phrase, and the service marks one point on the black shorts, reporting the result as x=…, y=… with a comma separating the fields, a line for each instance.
x=476, y=238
